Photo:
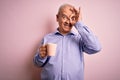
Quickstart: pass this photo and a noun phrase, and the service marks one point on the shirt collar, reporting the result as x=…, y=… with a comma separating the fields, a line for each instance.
x=57, y=32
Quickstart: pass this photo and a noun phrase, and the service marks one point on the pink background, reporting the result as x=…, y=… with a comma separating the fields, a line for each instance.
x=24, y=22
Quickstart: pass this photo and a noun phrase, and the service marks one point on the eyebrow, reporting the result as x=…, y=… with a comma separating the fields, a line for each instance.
x=64, y=15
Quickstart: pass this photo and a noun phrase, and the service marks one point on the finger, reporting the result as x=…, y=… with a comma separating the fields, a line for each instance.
x=43, y=52
x=71, y=9
x=79, y=10
x=75, y=10
x=42, y=55
x=43, y=46
x=43, y=49
x=80, y=14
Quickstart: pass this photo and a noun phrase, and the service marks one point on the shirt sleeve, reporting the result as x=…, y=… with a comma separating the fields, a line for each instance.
x=37, y=58
x=90, y=43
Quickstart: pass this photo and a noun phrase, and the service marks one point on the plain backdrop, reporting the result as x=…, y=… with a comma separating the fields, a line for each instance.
x=23, y=23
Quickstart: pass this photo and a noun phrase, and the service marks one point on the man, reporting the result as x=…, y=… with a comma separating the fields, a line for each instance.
x=68, y=63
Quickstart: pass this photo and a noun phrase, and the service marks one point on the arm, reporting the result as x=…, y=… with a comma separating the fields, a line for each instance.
x=89, y=40
x=38, y=60
x=90, y=43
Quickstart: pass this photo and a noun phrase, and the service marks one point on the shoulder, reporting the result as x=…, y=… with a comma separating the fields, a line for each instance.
x=49, y=38
x=49, y=35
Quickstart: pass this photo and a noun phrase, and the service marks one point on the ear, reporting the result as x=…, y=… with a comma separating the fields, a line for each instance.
x=57, y=17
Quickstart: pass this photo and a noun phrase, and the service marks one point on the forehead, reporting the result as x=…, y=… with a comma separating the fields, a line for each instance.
x=68, y=10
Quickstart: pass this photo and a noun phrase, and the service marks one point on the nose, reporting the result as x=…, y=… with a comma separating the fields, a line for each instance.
x=69, y=21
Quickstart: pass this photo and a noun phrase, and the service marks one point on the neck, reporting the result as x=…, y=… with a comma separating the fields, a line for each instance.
x=61, y=31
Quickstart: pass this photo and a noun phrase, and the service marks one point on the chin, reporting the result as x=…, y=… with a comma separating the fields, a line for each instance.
x=67, y=31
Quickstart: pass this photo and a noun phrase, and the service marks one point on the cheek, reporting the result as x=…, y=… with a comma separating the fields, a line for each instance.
x=61, y=22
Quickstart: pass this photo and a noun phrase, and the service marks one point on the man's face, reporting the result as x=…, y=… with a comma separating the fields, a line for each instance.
x=66, y=19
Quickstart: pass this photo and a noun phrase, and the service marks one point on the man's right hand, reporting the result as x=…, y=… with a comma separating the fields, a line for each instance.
x=43, y=51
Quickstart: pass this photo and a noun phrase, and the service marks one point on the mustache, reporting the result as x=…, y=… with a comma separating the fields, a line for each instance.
x=68, y=24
